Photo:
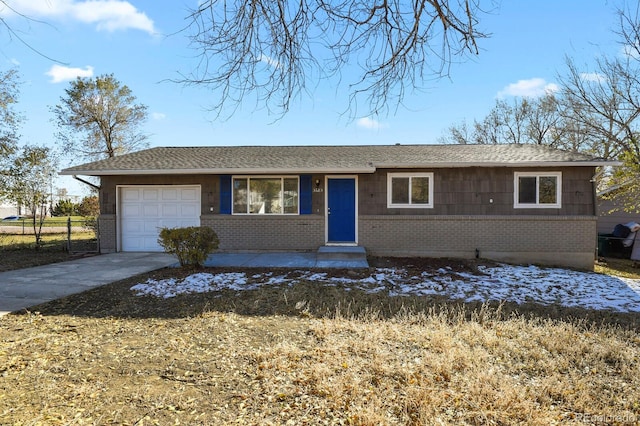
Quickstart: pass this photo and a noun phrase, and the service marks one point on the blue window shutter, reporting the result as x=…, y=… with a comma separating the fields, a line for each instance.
x=305, y=194
x=225, y=194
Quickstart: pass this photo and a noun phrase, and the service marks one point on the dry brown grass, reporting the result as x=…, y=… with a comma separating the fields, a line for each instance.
x=18, y=251
x=311, y=355
x=618, y=267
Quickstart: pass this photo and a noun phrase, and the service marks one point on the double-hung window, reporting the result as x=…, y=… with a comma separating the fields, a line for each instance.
x=537, y=190
x=265, y=195
x=410, y=190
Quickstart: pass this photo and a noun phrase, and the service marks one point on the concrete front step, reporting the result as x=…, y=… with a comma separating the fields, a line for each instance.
x=341, y=257
x=341, y=253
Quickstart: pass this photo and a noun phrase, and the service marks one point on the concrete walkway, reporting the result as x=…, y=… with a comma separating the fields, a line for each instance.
x=24, y=288
x=347, y=258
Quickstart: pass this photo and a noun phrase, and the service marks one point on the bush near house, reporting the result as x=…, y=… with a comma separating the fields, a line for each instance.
x=192, y=244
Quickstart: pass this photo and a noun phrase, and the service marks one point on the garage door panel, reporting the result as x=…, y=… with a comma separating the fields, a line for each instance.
x=145, y=210
x=151, y=227
x=170, y=210
x=170, y=194
x=150, y=194
x=189, y=210
x=133, y=244
x=151, y=244
x=133, y=226
x=129, y=194
x=189, y=195
x=131, y=210
x=142, y=244
x=150, y=211
x=168, y=223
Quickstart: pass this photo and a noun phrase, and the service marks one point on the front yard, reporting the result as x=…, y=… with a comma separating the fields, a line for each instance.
x=317, y=347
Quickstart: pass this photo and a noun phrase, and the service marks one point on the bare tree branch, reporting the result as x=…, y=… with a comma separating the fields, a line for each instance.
x=275, y=49
x=14, y=34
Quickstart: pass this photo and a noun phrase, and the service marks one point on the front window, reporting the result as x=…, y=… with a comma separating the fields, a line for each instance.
x=413, y=190
x=538, y=190
x=265, y=195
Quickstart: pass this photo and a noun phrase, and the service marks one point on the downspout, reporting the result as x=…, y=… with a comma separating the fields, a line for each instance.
x=97, y=188
x=594, y=192
x=594, y=186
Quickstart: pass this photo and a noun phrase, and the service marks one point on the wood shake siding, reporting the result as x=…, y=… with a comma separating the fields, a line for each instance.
x=469, y=191
x=463, y=191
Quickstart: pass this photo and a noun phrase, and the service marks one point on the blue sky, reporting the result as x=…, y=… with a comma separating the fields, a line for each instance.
x=136, y=40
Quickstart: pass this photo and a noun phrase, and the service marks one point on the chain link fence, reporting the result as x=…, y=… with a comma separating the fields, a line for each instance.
x=74, y=235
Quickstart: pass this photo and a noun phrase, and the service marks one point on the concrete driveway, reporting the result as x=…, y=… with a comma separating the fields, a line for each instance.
x=23, y=288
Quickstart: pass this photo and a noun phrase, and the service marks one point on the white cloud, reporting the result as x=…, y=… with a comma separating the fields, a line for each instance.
x=629, y=51
x=269, y=60
x=158, y=116
x=593, y=77
x=370, y=123
x=532, y=88
x=108, y=15
x=58, y=73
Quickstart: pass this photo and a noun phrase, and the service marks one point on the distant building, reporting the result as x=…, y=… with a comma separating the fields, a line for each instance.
x=8, y=209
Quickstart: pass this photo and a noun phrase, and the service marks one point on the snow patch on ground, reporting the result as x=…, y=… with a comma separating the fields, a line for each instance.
x=510, y=283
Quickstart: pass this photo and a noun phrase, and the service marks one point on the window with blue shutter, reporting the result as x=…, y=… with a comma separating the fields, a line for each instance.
x=225, y=194
x=265, y=194
x=305, y=194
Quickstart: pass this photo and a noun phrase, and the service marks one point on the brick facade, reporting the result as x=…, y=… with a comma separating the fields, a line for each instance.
x=267, y=232
x=107, y=233
x=551, y=240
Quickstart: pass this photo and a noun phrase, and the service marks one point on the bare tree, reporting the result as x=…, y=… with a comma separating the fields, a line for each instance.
x=460, y=133
x=619, y=130
x=99, y=118
x=545, y=125
x=524, y=120
x=605, y=103
x=629, y=29
x=275, y=49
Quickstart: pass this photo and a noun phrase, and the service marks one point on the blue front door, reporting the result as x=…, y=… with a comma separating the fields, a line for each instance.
x=341, y=210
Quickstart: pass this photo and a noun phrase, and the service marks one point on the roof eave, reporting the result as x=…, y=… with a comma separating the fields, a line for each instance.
x=327, y=170
x=498, y=164
x=226, y=171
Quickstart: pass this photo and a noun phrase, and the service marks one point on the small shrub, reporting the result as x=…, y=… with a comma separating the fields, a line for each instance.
x=192, y=244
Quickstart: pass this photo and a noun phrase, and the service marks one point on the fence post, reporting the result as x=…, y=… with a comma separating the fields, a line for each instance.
x=69, y=235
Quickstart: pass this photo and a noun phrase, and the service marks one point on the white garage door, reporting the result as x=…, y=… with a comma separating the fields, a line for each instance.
x=146, y=209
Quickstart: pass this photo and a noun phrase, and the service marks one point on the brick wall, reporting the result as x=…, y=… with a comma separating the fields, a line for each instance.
x=551, y=240
x=305, y=232
x=107, y=230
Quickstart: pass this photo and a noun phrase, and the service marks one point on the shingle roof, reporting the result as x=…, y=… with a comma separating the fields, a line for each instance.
x=327, y=159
